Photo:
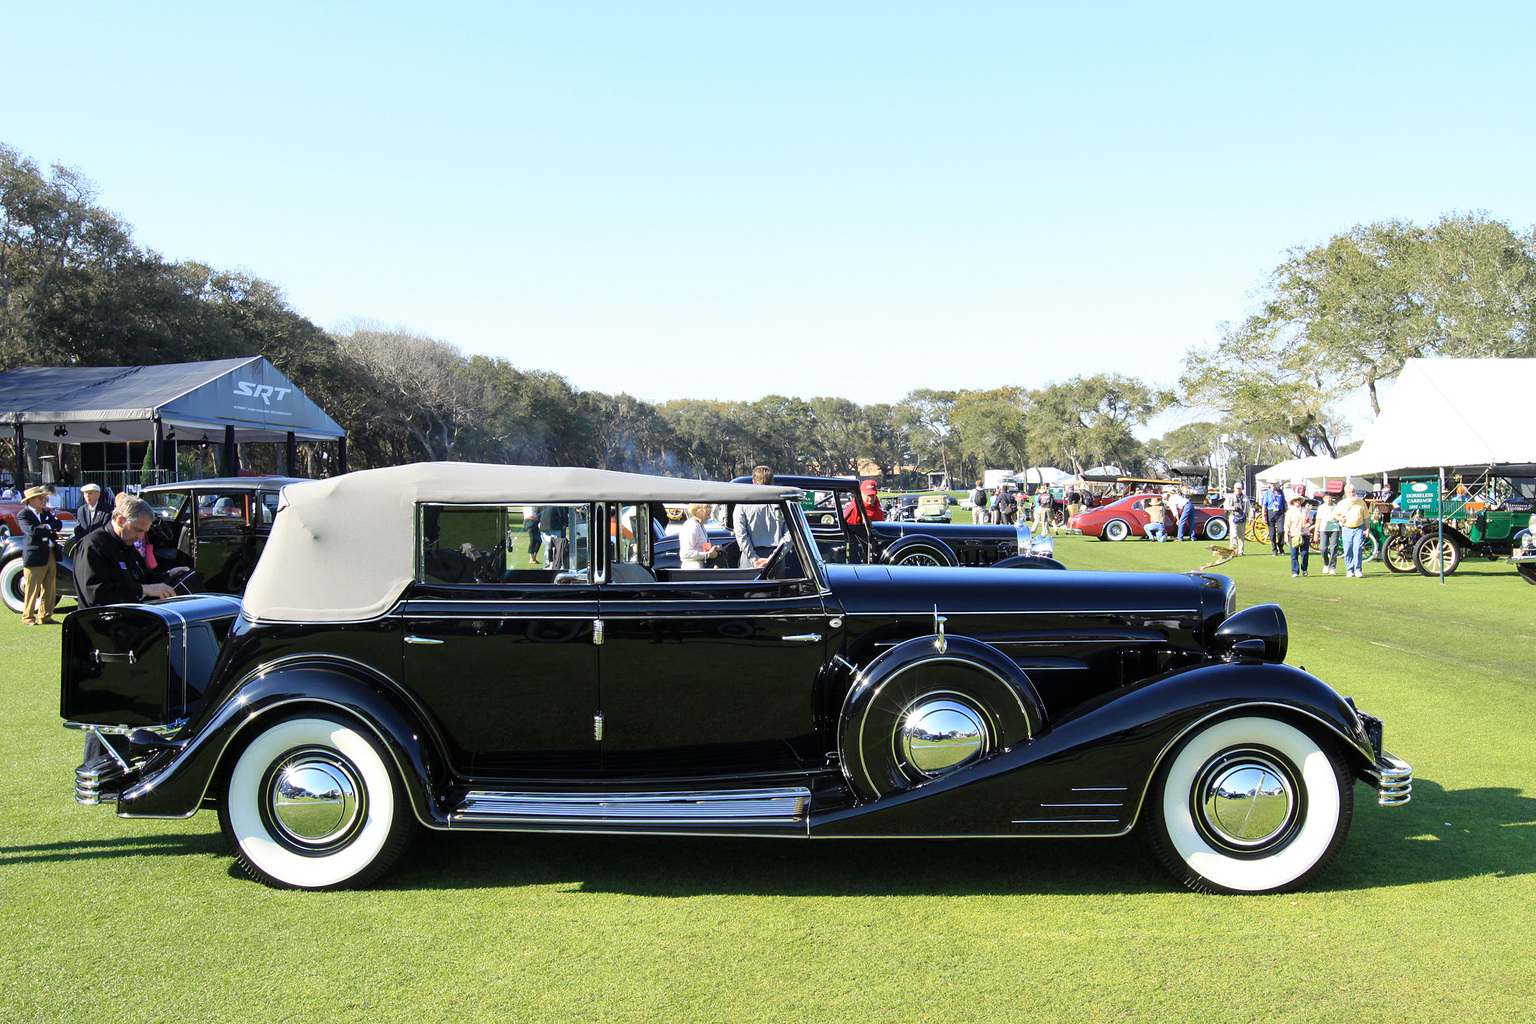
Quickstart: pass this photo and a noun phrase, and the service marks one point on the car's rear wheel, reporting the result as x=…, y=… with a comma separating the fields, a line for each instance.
x=314, y=803
x=12, y=584
x=1115, y=529
x=1434, y=555
x=1216, y=528
x=1250, y=805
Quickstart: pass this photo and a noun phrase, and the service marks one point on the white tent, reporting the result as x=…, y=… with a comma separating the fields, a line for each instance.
x=1042, y=475
x=1312, y=467
x=1452, y=412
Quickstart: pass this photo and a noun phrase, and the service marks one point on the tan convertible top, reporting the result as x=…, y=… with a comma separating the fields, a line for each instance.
x=345, y=548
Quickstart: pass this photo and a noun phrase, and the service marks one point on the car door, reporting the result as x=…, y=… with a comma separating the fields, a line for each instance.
x=501, y=648
x=224, y=546
x=709, y=671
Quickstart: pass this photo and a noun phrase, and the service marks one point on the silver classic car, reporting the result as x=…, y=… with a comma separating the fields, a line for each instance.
x=403, y=659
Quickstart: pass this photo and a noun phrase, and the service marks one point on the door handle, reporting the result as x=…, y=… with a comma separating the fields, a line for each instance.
x=412, y=639
x=803, y=638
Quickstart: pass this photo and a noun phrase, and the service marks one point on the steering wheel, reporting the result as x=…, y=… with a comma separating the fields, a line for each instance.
x=773, y=569
x=493, y=565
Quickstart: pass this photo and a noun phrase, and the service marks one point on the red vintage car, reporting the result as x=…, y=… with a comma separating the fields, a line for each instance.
x=10, y=528
x=1128, y=518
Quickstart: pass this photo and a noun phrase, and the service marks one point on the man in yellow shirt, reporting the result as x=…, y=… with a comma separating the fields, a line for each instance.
x=1353, y=514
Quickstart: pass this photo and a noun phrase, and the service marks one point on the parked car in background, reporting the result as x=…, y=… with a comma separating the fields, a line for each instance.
x=902, y=543
x=1127, y=517
x=413, y=675
x=10, y=528
x=933, y=508
x=217, y=526
x=903, y=508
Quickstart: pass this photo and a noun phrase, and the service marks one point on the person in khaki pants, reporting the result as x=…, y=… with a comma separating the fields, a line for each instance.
x=39, y=557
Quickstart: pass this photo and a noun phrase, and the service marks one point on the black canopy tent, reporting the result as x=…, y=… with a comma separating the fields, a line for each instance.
x=235, y=400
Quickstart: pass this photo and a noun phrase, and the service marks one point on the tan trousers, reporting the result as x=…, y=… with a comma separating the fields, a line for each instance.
x=38, y=586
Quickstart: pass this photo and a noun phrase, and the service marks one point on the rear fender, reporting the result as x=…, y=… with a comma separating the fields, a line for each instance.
x=181, y=783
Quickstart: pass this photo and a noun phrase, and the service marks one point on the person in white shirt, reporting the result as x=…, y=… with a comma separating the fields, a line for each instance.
x=693, y=546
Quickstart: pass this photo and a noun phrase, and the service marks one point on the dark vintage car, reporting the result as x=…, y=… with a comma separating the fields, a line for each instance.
x=392, y=668
x=907, y=543
x=216, y=526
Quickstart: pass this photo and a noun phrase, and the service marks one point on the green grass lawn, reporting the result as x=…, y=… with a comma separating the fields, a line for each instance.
x=1426, y=915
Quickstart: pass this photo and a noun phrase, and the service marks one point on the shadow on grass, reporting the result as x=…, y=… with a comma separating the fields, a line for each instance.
x=1442, y=835
x=1491, y=832
x=207, y=844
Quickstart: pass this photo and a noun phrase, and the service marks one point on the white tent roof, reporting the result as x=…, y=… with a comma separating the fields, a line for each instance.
x=1312, y=467
x=1452, y=412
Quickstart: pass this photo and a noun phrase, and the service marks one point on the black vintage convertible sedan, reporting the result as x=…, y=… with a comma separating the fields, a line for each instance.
x=392, y=667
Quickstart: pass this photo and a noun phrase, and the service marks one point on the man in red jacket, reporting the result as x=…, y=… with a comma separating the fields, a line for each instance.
x=871, y=502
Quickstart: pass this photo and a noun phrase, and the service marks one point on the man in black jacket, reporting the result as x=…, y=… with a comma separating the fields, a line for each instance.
x=107, y=568
x=39, y=557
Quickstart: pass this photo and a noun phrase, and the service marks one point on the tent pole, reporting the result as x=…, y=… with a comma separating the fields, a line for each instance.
x=341, y=453
x=231, y=452
x=155, y=449
x=293, y=454
x=21, y=457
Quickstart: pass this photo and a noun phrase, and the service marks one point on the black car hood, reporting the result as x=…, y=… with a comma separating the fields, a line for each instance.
x=877, y=589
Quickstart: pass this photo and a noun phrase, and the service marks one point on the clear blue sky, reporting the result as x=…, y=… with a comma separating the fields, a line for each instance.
x=731, y=200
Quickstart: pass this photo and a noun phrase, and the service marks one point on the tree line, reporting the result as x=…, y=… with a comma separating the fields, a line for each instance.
x=77, y=289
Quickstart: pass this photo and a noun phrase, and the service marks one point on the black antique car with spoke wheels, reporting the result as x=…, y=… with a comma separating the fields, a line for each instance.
x=217, y=526
x=826, y=500
x=397, y=666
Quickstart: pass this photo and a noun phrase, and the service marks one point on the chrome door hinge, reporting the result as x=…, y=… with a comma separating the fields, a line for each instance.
x=597, y=633
x=597, y=726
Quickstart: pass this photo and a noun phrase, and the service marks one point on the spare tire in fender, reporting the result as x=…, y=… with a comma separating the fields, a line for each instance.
x=928, y=707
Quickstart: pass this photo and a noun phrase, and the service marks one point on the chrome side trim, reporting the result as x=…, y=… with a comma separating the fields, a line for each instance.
x=786, y=805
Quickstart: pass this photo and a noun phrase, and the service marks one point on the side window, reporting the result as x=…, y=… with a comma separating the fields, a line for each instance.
x=512, y=543
x=1139, y=506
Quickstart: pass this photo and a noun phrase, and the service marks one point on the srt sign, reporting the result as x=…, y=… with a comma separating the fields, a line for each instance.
x=266, y=392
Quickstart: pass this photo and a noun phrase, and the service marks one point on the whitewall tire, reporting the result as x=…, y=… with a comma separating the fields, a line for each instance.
x=314, y=803
x=11, y=584
x=1250, y=805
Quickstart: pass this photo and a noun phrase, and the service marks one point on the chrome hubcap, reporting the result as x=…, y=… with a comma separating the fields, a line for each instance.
x=939, y=734
x=315, y=798
x=1246, y=799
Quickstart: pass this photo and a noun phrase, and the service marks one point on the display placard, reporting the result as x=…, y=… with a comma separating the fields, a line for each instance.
x=1420, y=495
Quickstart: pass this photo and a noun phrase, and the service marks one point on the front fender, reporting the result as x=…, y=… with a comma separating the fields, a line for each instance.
x=178, y=786
x=940, y=550
x=1114, y=745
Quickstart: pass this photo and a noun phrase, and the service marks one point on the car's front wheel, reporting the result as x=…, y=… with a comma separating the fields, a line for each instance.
x=1116, y=529
x=314, y=803
x=1250, y=805
x=12, y=585
x=1434, y=555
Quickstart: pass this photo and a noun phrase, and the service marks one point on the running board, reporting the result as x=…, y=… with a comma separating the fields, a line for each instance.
x=708, y=809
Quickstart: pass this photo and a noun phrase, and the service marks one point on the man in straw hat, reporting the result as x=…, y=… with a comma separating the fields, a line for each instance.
x=39, y=557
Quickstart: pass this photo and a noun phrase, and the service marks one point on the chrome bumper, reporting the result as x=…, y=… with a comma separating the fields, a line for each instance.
x=1393, y=779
